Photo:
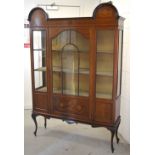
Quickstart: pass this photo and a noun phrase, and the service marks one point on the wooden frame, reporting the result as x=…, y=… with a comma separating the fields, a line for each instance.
x=98, y=112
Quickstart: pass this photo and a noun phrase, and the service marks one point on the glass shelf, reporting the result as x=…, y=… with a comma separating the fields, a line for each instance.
x=102, y=95
x=65, y=91
x=66, y=70
x=105, y=73
x=104, y=52
x=39, y=49
x=42, y=89
x=43, y=69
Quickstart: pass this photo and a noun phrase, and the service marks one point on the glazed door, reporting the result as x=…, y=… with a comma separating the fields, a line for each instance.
x=104, y=74
x=39, y=69
x=70, y=73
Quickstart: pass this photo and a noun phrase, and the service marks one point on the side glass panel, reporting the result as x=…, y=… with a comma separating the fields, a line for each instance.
x=70, y=64
x=104, y=64
x=119, y=63
x=39, y=60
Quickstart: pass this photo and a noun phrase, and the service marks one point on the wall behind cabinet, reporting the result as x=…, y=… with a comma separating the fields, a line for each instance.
x=86, y=9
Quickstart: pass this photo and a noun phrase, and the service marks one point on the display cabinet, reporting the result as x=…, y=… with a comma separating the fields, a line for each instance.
x=77, y=66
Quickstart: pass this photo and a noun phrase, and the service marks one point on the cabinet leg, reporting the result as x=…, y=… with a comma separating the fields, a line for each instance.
x=45, y=123
x=35, y=122
x=117, y=139
x=114, y=130
x=112, y=137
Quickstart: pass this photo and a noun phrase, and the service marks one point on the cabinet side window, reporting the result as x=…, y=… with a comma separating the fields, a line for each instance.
x=104, y=63
x=119, y=72
x=39, y=60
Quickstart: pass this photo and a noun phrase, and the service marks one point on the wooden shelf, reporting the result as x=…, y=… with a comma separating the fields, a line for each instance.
x=42, y=69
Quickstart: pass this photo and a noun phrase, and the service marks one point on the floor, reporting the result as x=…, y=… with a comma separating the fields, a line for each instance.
x=61, y=138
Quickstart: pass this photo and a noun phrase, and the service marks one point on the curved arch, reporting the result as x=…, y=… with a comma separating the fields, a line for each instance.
x=69, y=30
x=70, y=44
x=103, y=5
x=70, y=40
x=36, y=9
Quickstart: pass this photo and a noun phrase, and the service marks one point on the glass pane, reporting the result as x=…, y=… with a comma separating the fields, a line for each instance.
x=70, y=57
x=70, y=84
x=39, y=39
x=40, y=81
x=104, y=66
x=70, y=69
x=105, y=41
x=104, y=87
x=80, y=41
x=39, y=57
x=39, y=60
x=60, y=41
x=119, y=64
x=83, y=85
x=57, y=82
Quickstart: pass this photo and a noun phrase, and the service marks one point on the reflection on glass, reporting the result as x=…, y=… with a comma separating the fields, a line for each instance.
x=104, y=66
x=39, y=57
x=104, y=87
x=70, y=69
x=40, y=81
x=105, y=41
x=57, y=82
x=83, y=85
x=70, y=57
x=119, y=64
x=39, y=39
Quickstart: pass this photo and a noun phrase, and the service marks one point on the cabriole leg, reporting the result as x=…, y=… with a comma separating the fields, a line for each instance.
x=45, y=123
x=35, y=121
x=117, y=139
x=112, y=137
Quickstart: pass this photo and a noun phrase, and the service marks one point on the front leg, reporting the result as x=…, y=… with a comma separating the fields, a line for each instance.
x=112, y=137
x=35, y=121
x=117, y=139
x=45, y=123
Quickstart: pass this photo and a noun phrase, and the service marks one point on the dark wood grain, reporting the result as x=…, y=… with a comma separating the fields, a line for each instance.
x=90, y=110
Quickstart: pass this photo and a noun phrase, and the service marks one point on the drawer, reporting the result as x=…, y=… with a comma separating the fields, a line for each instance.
x=103, y=112
x=69, y=106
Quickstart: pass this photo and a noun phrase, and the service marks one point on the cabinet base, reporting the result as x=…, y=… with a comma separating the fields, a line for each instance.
x=113, y=129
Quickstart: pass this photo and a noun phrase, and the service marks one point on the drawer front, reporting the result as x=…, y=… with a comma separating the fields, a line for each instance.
x=103, y=112
x=71, y=106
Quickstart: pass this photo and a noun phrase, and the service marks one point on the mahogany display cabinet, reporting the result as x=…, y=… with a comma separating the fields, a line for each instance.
x=77, y=66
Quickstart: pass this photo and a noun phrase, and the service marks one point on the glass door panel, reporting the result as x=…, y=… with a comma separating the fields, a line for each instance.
x=104, y=87
x=70, y=69
x=57, y=88
x=119, y=63
x=70, y=61
x=39, y=57
x=84, y=85
x=104, y=64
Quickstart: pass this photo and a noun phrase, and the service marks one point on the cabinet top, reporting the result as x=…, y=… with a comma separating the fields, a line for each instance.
x=104, y=11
